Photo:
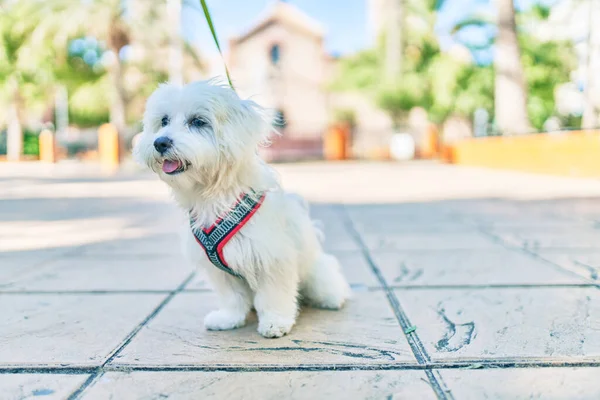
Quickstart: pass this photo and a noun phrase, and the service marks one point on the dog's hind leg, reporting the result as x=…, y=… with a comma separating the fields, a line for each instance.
x=325, y=286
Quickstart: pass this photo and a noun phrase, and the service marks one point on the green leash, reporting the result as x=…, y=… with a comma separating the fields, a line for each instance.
x=214, y=35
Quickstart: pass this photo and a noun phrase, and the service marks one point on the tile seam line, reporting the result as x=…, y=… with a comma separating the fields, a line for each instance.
x=419, y=352
x=418, y=349
x=90, y=381
x=436, y=365
x=125, y=342
x=148, y=318
x=485, y=230
x=497, y=239
x=366, y=288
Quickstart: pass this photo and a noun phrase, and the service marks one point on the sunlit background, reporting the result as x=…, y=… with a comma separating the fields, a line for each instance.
x=449, y=150
x=362, y=79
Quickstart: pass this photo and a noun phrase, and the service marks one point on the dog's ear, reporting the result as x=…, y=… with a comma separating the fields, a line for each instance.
x=259, y=122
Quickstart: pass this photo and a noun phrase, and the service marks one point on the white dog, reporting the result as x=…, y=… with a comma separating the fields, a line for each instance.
x=257, y=244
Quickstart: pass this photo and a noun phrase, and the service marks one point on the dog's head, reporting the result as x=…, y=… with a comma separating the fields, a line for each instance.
x=193, y=134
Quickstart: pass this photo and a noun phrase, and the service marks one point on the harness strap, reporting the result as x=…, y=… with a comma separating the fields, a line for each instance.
x=214, y=238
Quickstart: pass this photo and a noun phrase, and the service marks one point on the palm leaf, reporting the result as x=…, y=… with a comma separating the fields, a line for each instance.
x=473, y=21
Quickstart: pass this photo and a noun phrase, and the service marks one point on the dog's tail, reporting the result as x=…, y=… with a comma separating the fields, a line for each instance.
x=317, y=225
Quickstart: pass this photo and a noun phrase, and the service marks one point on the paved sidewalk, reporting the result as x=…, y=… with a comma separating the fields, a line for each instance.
x=468, y=284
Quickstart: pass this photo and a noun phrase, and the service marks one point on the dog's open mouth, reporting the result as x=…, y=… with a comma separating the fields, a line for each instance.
x=172, y=167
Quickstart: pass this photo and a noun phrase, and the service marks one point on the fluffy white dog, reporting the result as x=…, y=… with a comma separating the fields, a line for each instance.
x=257, y=244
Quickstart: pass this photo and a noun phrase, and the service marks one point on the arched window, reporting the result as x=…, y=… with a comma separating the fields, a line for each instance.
x=275, y=54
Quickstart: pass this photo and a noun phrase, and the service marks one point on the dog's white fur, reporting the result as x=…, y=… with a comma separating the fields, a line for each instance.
x=278, y=252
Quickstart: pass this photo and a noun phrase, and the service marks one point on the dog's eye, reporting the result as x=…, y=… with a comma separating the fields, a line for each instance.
x=164, y=121
x=196, y=123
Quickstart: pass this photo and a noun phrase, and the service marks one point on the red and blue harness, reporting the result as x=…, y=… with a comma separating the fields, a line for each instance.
x=214, y=238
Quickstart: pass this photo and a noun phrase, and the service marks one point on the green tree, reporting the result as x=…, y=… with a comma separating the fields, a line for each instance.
x=429, y=78
x=446, y=85
x=545, y=64
x=131, y=42
x=86, y=82
x=61, y=20
x=24, y=80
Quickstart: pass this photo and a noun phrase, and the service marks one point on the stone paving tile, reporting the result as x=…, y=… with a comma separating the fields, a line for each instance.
x=199, y=281
x=378, y=218
x=65, y=235
x=51, y=330
x=541, y=238
x=348, y=385
x=42, y=386
x=524, y=383
x=325, y=212
x=148, y=245
x=338, y=238
x=101, y=273
x=515, y=216
x=356, y=270
x=583, y=263
x=525, y=221
x=422, y=211
x=365, y=331
x=467, y=267
x=497, y=323
x=428, y=241
x=389, y=227
x=15, y=265
x=23, y=260
x=329, y=219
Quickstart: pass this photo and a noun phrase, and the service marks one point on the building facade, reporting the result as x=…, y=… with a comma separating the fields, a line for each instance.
x=281, y=63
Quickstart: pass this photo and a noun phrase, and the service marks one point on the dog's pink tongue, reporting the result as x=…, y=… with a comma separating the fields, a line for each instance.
x=170, y=166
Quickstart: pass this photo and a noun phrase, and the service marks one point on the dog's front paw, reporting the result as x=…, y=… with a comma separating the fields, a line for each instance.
x=222, y=320
x=274, y=326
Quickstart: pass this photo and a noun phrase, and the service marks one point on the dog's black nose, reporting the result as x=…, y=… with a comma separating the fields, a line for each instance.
x=162, y=144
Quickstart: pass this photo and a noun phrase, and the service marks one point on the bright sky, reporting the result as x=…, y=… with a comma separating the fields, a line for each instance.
x=345, y=20
x=346, y=29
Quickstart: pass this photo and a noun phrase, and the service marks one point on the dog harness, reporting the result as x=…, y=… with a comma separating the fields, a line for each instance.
x=214, y=238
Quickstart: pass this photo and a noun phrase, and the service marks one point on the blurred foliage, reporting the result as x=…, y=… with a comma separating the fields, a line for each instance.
x=76, y=44
x=88, y=104
x=31, y=143
x=361, y=71
x=345, y=115
x=439, y=82
x=447, y=83
x=25, y=76
x=547, y=65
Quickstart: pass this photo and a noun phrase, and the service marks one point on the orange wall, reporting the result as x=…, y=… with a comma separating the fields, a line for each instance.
x=572, y=153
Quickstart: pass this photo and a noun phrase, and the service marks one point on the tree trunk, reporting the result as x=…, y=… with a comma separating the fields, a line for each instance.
x=14, y=131
x=118, y=104
x=510, y=91
x=14, y=139
x=176, y=42
x=590, y=113
x=118, y=38
x=393, y=40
